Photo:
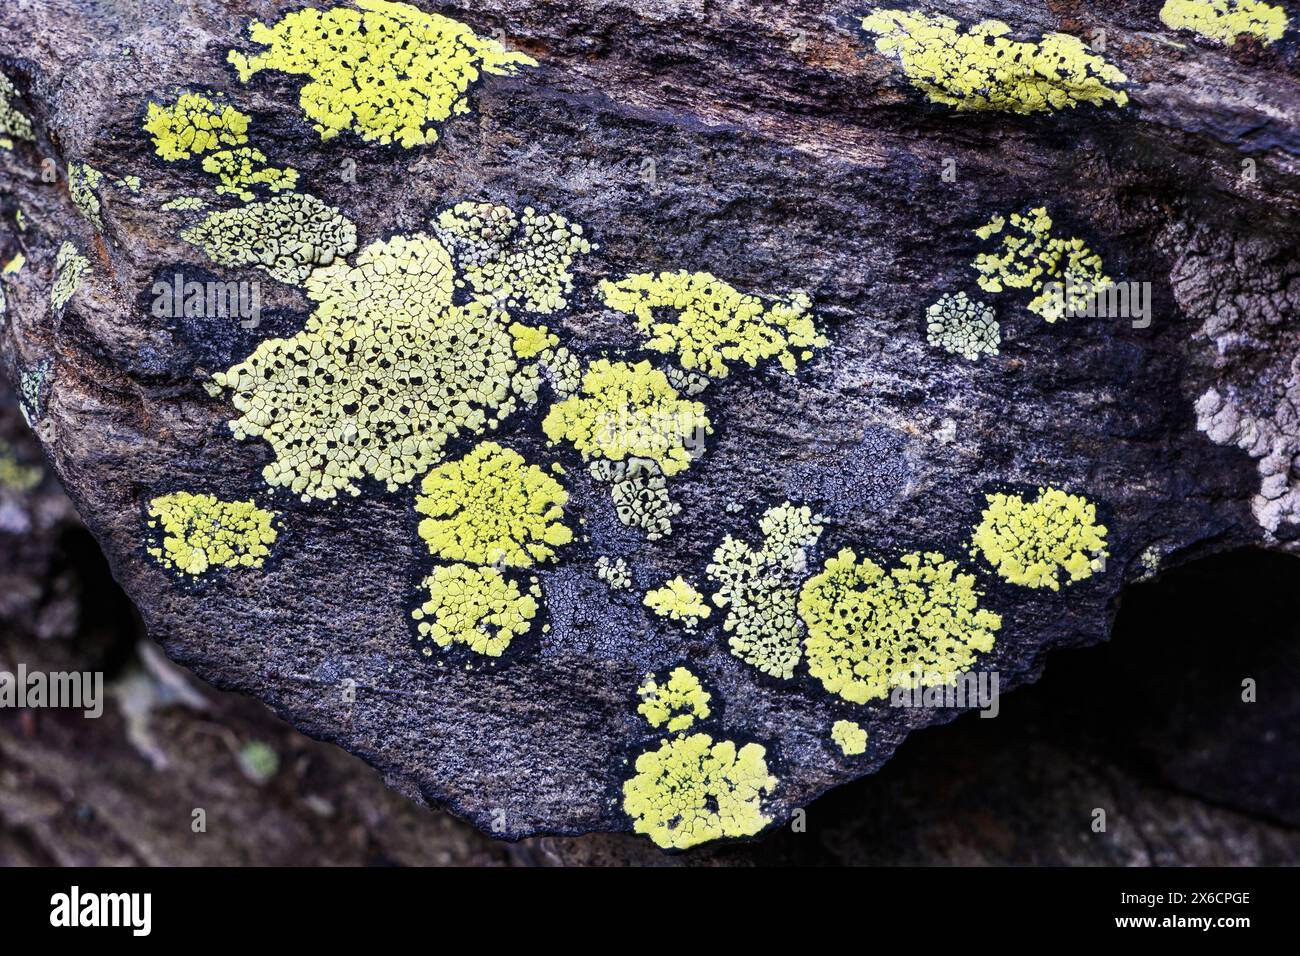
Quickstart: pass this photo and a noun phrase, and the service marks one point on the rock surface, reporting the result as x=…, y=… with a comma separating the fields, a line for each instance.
x=773, y=147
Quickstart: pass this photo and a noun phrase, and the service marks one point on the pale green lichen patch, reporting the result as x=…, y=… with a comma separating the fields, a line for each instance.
x=239, y=170
x=629, y=411
x=185, y=204
x=984, y=69
x=1064, y=274
x=14, y=124
x=83, y=181
x=287, y=236
x=1032, y=543
x=70, y=269
x=615, y=573
x=692, y=790
x=640, y=494
x=679, y=601
x=200, y=532
x=389, y=71
x=759, y=588
x=674, y=704
x=714, y=324
x=474, y=607
x=519, y=261
x=870, y=630
x=1225, y=20
x=849, y=737
x=15, y=475
x=385, y=373
x=963, y=326
x=492, y=507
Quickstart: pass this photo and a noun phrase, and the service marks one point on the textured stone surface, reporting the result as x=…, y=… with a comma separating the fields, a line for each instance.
x=769, y=146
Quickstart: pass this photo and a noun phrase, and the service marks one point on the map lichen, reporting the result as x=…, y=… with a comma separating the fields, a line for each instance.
x=1031, y=543
x=200, y=532
x=963, y=326
x=70, y=268
x=678, y=601
x=849, y=737
x=674, y=704
x=474, y=607
x=14, y=124
x=1225, y=20
x=389, y=71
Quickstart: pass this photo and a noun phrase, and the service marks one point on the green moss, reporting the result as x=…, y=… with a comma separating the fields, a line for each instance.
x=714, y=324
x=674, y=704
x=388, y=71
x=518, y=261
x=983, y=69
x=492, y=507
x=1032, y=543
x=473, y=607
x=759, y=589
x=200, y=532
x=1225, y=20
x=692, y=790
x=870, y=630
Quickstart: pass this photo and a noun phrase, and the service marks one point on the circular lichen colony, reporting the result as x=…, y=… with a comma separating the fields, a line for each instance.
x=963, y=326
x=692, y=790
x=1034, y=543
x=674, y=704
x=849, y=737
x=679, y=601
x=474, y=607
x=383, y=375
x=199, y=532
x=492, y=507
x=870, y=630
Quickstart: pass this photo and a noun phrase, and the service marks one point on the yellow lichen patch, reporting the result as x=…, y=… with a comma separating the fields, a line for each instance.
x=692, y=790
x=14, y=265
x=1031, y=543
x=870, y=630
x=1225, y=20
x=849, y=737
x=83, y=180
x=16, y=476
x=185, y=204
x=70, y=268
x=389, y=71
x=715, y=324
x=674, y=704
x=530, y=341
x=238, y=170
x=1064, y=273
x=760, y=589
x=131, y=184
x=983, y=69
x=193, y=125
x=678, y=601
x=13, y=123
x=287, y=236
x=521, y=262
x=477, y=608
x=200, y=532
x=629, y=411
x=492, y=507
x=384, y=373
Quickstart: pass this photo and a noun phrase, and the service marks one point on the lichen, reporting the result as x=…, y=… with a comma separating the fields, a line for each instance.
x=1032, y=543
x=1225, y=20
x=1063, y=273
x=849, y=737
x=14, y=265
x=70, y=268
x=193, y=125
x=963, y=326
x=615, y=573
x=474, y=607
x=239, y=170
x=674, y=704
x=185, y=204
x=692, y=790
x=870, y=630
x=14, y=124
x=83, y=180
x=32, y=387
x=15, y=475
x=760, y=589
x=200, y=532
x=521, y=262
x=628, y=411
x=385, y=372
x=640, y=494
x=492, y=507
x=388, y=71
x=715, y=323
x=983, y=69
x=678, y=601
x=287, y=236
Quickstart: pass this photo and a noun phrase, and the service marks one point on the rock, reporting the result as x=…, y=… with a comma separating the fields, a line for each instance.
x=257, y=474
